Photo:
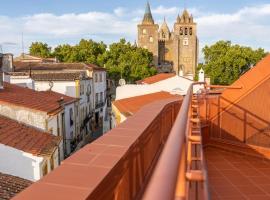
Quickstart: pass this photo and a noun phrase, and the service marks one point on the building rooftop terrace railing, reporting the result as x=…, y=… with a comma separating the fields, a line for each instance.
x=115, y=166
x=181, y=162
x=131, y=161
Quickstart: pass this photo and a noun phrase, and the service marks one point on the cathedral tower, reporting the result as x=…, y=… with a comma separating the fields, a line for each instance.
x=175, y=50
x=148, y=34
x=185, y=45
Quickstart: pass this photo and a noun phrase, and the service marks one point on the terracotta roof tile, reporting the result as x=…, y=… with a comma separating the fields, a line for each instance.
x=26, y=66
x=26, y=138
x=156, y=78
x=131, y=105
x=249, y=81
x=48, y=102
x=11, y=185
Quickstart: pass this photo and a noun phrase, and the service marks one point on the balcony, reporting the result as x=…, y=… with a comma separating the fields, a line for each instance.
x=99, y=105
x=204, y=147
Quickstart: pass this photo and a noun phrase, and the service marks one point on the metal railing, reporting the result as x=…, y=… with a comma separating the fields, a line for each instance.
x=174, y=171
x=99, y=104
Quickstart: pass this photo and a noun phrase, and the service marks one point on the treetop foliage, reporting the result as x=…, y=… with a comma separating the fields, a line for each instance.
x=121, y=59
x=225, y=62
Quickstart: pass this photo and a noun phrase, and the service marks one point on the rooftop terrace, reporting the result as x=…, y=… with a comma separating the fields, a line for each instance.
x=209, y=145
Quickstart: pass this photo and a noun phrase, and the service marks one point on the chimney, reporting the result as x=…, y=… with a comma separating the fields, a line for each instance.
x=201, y=75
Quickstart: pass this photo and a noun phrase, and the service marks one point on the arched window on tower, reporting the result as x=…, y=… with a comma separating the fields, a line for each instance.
x=163, y=35
x=181, y=31
x=186, y=31
x=144, y=31
x=190, y=31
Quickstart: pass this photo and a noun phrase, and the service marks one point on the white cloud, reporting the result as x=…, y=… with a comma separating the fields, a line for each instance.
x=248, y=26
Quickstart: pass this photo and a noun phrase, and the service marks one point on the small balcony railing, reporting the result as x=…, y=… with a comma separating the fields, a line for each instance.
x=99, y=105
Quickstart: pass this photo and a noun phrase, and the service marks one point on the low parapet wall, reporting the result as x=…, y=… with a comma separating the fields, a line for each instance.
x=115, y=166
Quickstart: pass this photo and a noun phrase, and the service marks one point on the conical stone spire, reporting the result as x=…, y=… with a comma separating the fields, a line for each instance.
x=148, y=18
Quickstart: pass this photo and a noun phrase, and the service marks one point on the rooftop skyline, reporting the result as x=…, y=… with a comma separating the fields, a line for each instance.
x=244, y=22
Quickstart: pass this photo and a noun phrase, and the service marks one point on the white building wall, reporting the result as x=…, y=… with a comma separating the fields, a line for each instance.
x=64, y=87
x=35, y=119
x=19, y=163
x=175, y=85
x=24, y=81
x=27, y=116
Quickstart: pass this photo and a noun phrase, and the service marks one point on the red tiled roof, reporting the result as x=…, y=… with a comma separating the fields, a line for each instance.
x=11, y=185
x=131, y=105
x=26, y=66
x=26, y=138
x=249, y=81
x=156, y=78
x=48, y=102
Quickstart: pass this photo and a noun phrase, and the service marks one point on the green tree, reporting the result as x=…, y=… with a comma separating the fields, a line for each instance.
x=40, y=49
x=225, y=63
x=121, y=59
x=86, y=51
x=124, y=60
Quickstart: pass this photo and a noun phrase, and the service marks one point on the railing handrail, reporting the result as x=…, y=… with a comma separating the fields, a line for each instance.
x=163, y=182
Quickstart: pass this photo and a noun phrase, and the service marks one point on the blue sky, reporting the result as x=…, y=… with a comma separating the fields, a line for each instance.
x=67, y=21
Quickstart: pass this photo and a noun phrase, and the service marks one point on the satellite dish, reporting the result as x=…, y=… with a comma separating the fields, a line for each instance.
x=122, y=82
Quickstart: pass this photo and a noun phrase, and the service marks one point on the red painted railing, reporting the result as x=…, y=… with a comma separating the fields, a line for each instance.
x=176, y=171
x=152, y=155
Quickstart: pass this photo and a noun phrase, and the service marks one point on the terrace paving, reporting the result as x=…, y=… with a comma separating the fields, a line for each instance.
x=235, y=176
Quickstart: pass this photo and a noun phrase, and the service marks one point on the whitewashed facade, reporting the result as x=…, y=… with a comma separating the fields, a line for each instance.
x=25, y=165
x=175, y=85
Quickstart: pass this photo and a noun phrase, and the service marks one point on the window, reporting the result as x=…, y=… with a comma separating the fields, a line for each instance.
x=151, y=39
x=190, y=31
x=100, y=77
x=144, y=31
x=186, y=31
x=163, y=35
x=71, y=117
x=96, y=98
x=185, y=42
x=45, y=169
x=96, y=78
x=82, y=89
x=181, y=30
x=52, y=163
x=101, y=97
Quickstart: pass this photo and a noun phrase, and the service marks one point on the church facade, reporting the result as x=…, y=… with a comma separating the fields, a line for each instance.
x=175, y=50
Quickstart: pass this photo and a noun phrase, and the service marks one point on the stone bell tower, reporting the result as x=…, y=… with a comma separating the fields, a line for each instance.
x=175, y=50
x=148, y=33
x=185, y=45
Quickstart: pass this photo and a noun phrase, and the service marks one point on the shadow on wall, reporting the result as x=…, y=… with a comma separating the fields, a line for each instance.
x=237, y=124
